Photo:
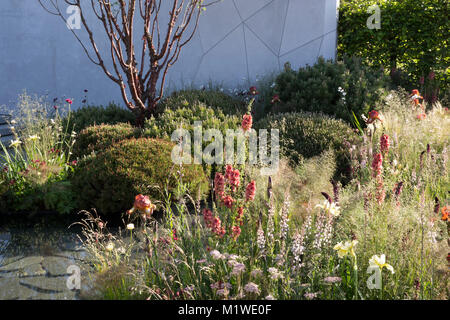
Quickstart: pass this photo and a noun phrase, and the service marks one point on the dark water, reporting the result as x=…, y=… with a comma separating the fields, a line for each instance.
x=38, y=256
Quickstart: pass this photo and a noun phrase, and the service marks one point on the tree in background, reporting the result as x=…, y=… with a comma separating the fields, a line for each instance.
x=145, y=71
x=413, y=37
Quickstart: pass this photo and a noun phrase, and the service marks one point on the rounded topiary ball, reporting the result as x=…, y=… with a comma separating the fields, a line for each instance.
x=109, y=181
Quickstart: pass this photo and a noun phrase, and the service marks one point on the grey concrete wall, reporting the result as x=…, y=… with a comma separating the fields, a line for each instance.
x=238, y=41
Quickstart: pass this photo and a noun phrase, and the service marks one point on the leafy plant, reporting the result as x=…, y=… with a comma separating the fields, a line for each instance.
x=305, y=135
x=334, y=88
x=96, y=115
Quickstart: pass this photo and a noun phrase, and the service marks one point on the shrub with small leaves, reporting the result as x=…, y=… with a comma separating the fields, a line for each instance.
x=91, y=115
x=334, y=88
x=110, y=180
x=305, y=134
x=97, y=138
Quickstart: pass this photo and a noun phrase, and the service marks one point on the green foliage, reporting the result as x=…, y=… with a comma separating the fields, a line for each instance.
x=97, y=138
x=91, y=115
x=110, y=180
x=305, y=135
x=211, y=98
x=316, y=89
x=413, y=36
x=184, y=117
x=38, y=161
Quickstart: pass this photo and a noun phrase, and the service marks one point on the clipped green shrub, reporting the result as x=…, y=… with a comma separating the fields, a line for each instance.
x=98, y=138
x=172, y=119
x=212, y=98
x=316, y=89
x=91, y=115
x=109, y=181
x=306, y=135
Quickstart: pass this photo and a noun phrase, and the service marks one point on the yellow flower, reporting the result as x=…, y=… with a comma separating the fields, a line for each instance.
x=15, y=143
x=330, y=208
x=380, y=262
x=110, y=246
x=346, y=248
x=33, y=137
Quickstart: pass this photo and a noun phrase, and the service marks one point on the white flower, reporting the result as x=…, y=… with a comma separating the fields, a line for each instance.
x=130, y=226
x=380, y=262
x=275, y=274
x=330, y=208
x=256, y=273
x=13, y=122
x=74, y=134
x=15, y=143
x=238, y=268
x=217, y=255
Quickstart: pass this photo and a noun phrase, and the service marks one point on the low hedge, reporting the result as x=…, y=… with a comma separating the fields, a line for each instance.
x=109, y=181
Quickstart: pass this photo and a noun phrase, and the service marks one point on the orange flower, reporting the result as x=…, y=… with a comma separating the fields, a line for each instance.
x=373, y=115
x=142, y=203
x=415, y=96
x=445, y=212
x=421, y=116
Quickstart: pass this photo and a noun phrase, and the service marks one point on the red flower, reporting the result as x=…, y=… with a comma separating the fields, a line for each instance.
x=232, y=176
x=252, y=91
x=69, y=101
x=384, y=144
x=228, y=201
x=74, y=163
x=236, y=230
x=275, y=99
x=55, y=107
x=247, y=122
x=250, y=191
x=219, y=185
x=174, y=235
x=377, y=164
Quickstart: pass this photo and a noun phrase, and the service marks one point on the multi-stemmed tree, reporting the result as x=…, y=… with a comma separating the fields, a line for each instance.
x=145, y=71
